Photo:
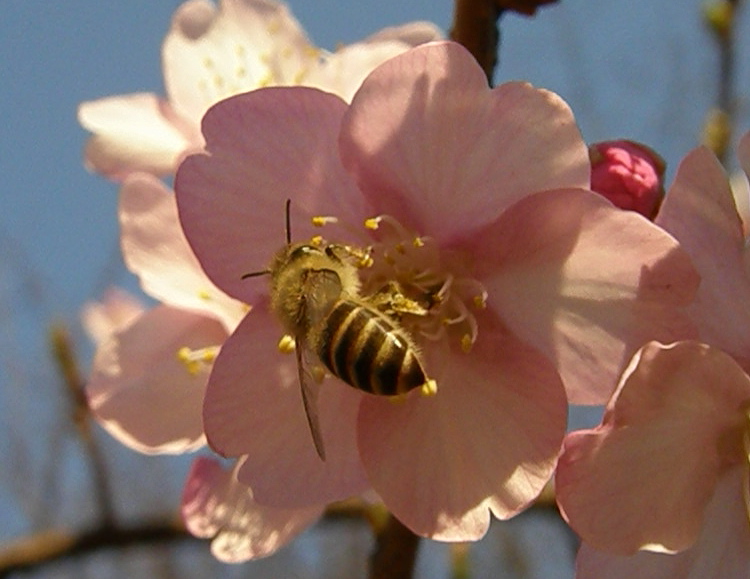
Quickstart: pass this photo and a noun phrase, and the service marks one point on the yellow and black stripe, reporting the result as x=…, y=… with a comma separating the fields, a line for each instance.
x=367, y=351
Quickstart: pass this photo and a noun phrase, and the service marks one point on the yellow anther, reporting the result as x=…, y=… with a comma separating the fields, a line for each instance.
x=197, y=360
x=299, y=76
x=318, y=373
x=286, y=344
x=208, y=62
x=366, y=261
x=265, y=81
x=400, y=248
x=480, y=302
x=205, y=295
x=417, y=242
x=321, y=220
x=372, y=223
x=429, y=388
x=241, y=72
x=466, y=343
x=316, y=240
x=218, y=81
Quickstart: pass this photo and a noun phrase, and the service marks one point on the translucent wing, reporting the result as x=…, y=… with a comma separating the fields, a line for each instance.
x=310, y=388
x=321, y=289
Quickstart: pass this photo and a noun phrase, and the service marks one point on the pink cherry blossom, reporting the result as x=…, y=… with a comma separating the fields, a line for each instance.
x=670, y=447
x=701, y=214
x=629, y=174
x=211, y=53
x=478, y=198
x=216, y=505
x=149, y=375
x=644, y=477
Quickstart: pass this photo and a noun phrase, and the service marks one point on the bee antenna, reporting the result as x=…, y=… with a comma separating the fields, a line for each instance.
x=256, y=273
x=288, y=223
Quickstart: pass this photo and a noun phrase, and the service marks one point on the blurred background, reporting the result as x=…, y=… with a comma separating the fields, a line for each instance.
x=644, y=70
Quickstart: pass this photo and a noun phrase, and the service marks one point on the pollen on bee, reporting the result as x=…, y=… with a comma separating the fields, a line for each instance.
x=321, y=220
x=286, y=344
x=429, y=388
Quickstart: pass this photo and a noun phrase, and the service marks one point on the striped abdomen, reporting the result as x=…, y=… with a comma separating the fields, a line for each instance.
x=367, y=350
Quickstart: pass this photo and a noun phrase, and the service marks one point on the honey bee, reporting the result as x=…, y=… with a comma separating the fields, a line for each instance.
x=315, y=294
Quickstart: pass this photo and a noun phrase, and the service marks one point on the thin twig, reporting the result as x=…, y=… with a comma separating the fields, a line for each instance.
x=62, y=349
x=51, y=546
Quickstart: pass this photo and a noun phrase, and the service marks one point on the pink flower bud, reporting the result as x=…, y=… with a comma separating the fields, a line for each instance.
x=629, y=174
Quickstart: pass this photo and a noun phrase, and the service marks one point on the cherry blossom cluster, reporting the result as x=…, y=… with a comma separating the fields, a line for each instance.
x=557, y=277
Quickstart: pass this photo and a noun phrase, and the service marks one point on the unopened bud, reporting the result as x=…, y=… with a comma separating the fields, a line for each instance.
x=629, y=174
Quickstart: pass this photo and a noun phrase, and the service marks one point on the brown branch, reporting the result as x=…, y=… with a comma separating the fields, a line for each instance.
x=64, y=355
x=52, y=546
x=395, y=552
x=475, y=26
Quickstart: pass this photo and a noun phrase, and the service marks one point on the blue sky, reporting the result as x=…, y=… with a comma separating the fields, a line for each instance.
x=643, y=69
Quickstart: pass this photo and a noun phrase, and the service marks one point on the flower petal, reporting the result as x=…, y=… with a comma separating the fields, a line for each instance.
x=139, y=390
x=215, y=505
x=263, y=147
x=673, y=426
x=428, y=141
x=343, y=71
x=156, y=250
x=117, y=310
x=721, y=550
x=136, y=132
x=585, y=283
x=210, y=54
x=700, y=212
x=253, y=407
x=487, y=441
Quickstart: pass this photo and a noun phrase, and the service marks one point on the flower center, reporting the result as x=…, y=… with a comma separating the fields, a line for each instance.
x=413, y=271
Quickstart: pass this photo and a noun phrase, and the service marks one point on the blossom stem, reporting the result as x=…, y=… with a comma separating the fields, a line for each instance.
x=395, y=552
x=62, y=350
x=475, y=26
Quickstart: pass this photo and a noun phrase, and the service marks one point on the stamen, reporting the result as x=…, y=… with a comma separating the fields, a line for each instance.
x=286, y=344
x=321, y=220
x=372, y=223
x=466, y=343
x=316, y=240
x=429, y=388
x=205, y=295
x=197, y=360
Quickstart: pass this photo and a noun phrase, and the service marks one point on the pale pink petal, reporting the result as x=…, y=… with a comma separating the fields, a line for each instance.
x=585, y=283
x=210, y=54
x=155, y=249
x=254, y=407
x=343, y=71
x=643, y=478
x=700, y=212
x=428, y=141
x=215, y=505
x=486, y=442
x=721, y=550
x=263, y=147
x=136, y=132
x=142, y=393
x=117, y=310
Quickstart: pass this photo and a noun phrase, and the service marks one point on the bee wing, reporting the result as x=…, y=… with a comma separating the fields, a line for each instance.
x=320, y=290
x=310, y=388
